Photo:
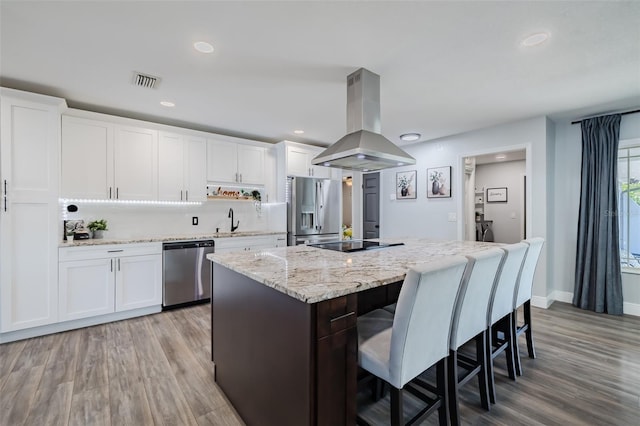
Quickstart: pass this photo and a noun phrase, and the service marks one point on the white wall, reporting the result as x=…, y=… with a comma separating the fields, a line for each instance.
x=507, y=217
x=430, y=217
x=568, y=154
x=133, y=221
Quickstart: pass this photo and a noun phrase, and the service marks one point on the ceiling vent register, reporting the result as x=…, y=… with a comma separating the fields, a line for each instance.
x=145, y=80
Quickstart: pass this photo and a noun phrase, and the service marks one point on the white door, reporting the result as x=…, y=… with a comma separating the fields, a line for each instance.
x=136, y=163
x=29, y=155
x=86, y=288
x=251, y=164
x=171, y=167
x=138, y=281
x=196, y=169
x=87, y=158
x=222, y=161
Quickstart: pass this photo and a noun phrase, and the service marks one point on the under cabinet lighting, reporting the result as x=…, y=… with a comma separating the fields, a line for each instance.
x=136, y=202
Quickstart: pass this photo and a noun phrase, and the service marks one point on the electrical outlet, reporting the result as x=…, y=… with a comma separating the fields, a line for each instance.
x=194, y=220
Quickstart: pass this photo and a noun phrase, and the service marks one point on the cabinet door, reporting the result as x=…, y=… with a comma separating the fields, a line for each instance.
x=87, y=158
x=298, y=162
x=196, y=169
x=29, y=155
x=222, y=161
x=321, y=171
x=251, y=164
x=138, y=282
x=171, y=169
x=136, y=163
x=86, y=288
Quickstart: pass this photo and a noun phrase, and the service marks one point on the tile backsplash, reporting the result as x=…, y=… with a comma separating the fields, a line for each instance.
x=139, y=220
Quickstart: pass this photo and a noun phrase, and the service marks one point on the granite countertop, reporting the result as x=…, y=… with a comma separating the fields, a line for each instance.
x=95, y=242
x=312, y=274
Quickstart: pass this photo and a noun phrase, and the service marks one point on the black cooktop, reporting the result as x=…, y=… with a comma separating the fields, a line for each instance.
x=350, y=246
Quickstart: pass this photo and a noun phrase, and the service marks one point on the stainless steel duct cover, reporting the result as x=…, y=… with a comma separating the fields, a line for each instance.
x=363, y=148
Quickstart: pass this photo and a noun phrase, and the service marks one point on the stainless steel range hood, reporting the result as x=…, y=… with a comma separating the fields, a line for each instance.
x=363, y=148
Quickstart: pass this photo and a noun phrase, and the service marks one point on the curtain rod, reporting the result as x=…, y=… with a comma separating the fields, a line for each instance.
x=621, y=113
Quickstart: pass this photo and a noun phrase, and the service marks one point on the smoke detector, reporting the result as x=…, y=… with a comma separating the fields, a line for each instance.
x=145, y=80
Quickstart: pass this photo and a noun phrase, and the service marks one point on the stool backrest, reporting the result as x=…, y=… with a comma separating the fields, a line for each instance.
x=528, y=270
x=505, y=289
x=422, y=322
x=470, y=316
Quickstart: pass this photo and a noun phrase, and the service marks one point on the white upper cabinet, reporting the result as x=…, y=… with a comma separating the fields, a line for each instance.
x=235, y=163
x=29, y=166
x=102, y=160
x=298, y=162
x=182, y=167
x=87, y=158
x=135, y=163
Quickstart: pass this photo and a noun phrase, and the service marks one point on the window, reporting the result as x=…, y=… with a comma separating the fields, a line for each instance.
x=629, y=205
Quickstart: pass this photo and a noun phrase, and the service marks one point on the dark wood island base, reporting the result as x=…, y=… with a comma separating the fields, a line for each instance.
x=281, y=361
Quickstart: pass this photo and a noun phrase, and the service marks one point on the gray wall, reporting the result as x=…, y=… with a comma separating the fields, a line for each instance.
x=508, y=218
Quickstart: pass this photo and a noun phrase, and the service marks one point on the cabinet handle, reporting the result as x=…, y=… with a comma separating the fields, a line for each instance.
x=111, y=262
x=118, y=264
x=115, y=251
x=236, y=176
x=181, y=195
x=109, y=192
x=342, y=316
x=186, y=198
x=5, y=195
x=240, y=177
x=117, y=193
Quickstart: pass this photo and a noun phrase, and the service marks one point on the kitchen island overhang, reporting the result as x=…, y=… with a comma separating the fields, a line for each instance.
x=284, y=338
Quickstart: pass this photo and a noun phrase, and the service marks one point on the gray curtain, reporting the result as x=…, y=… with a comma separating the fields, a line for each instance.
x=598, y=285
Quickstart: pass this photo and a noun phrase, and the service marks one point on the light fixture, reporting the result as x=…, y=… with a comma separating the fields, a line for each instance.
x=360, y=156
x=410, y=137
x=535, y=39
x=298, y=132
x=400, y=164
x=167, y=104
x=133, y=202
x=203, y=47
x=501, y=157
x=327, y=164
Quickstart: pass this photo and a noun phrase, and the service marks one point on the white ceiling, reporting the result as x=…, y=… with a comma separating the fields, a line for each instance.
x=445, y=67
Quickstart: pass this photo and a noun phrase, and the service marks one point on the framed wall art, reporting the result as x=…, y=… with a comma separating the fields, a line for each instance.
x=497, y=195
x=439, y=182
x=406, y=185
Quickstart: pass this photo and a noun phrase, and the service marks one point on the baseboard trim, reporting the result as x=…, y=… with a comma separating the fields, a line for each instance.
x=567, y=297
x=80, y=323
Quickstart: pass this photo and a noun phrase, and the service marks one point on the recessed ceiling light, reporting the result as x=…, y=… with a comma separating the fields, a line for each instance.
x=501, y=157
x=167, y=104
x=203, y=47
x=298, y=132
x=360, y=156
x=327, y=163
x=408, y=137
x=535, y=39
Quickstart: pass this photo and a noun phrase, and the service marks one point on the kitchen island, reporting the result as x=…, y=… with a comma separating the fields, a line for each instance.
x=284, y=338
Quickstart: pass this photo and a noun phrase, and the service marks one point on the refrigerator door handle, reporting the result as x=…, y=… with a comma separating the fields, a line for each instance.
x=321, y=207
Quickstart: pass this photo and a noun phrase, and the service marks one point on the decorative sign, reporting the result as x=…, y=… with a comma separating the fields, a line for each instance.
x=497, y=195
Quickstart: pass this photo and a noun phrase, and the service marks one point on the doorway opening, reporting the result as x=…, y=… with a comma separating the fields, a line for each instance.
x=347, y=207
x=494, y=202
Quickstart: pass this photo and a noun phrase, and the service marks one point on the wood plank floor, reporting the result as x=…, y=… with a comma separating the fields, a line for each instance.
x=157, y=370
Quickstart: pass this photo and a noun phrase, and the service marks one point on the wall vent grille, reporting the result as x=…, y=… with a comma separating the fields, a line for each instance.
x=145, y=80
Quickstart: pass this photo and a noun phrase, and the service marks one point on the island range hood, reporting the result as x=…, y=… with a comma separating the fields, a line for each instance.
x=363, y=148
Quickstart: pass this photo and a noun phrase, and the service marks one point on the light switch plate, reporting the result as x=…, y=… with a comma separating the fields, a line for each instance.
x=194, y=220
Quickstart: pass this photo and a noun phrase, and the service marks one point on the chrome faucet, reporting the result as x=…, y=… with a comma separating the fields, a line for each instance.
x=233, y=228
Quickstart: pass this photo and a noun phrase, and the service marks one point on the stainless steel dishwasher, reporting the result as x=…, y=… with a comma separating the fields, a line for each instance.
x=186, y=273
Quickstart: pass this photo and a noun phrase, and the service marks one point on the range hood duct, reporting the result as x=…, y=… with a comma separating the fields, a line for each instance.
x=363, y=148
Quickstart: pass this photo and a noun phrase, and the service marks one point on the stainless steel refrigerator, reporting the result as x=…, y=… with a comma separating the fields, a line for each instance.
x=313, y=210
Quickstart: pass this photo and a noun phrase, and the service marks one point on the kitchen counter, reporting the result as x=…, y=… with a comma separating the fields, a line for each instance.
x=94, y=242
x=311, y=274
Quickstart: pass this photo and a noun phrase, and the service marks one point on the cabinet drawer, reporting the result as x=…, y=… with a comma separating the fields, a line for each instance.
x=336, y=314
x=107, y=251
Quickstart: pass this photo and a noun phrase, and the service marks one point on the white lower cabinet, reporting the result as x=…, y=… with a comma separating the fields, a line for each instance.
x=100, y=280
x=224, y=245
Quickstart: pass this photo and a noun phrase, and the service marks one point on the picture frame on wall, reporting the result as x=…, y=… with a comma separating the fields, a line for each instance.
x=439, y=182
x=406, y=185
x=497, y=195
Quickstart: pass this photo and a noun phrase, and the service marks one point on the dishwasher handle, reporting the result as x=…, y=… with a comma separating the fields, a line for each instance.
x=187, y=245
